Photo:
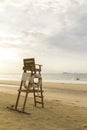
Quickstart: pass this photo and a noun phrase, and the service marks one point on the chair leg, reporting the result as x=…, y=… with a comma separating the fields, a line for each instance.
x=25, y=100
x=18, y=97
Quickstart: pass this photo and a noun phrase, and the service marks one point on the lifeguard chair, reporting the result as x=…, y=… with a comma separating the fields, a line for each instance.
x=31, y=82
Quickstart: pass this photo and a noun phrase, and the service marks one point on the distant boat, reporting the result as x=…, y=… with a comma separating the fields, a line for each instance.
x=77, y=78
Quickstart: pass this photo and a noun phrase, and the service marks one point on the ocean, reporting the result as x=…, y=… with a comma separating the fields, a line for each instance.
x=77, y=78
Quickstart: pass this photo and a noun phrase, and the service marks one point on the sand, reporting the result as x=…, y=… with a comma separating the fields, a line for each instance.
x=65, y=108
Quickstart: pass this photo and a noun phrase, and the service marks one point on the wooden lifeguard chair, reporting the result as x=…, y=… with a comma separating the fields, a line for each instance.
x=31, y=82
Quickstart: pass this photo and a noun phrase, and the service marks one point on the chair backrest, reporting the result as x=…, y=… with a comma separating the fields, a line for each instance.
x=29, y=64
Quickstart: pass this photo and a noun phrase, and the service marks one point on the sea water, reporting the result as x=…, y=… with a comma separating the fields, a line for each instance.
x=78, y=78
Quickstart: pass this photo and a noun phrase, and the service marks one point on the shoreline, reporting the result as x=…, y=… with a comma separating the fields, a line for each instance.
x=15, y=81
x=74, y=94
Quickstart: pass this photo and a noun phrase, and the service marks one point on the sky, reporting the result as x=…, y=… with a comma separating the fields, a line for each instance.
x=54, y=32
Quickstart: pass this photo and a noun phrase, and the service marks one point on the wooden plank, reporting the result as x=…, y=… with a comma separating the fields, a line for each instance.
x=29, y=64
x=38, y=102
x=11, y=108
x=29, y=91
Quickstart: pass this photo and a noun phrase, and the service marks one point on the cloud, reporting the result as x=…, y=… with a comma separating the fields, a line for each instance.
x=53, y=31
x=57, y=23
x=72, y=37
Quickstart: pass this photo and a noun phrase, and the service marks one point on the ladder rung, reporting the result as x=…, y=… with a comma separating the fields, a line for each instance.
x=39, y=102
x=38, y=96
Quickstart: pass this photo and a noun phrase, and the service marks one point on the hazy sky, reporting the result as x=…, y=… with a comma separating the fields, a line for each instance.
x=54, y=32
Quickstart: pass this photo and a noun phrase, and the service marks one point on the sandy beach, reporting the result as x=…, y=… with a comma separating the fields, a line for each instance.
x=75, y=94
x=65, y=108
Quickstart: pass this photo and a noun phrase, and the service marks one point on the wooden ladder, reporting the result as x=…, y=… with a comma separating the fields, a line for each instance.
x=38, y=96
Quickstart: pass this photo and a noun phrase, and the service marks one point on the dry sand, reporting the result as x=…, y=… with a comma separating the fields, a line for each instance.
x=65, y=108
